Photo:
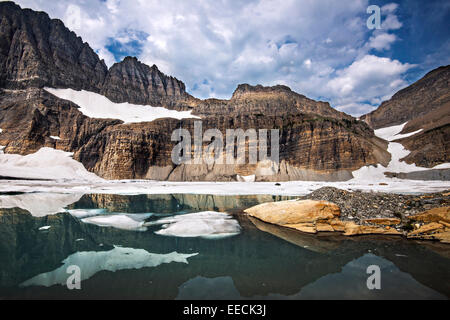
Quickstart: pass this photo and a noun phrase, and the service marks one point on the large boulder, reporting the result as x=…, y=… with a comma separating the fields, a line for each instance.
x=287, y=213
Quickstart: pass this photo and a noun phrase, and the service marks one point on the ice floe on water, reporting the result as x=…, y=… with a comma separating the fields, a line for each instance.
x=85, y=213
x=39, y=204
x=95, y=105
x=45, y=164
x=114, y=260
x=134, y=222
x=207, y=224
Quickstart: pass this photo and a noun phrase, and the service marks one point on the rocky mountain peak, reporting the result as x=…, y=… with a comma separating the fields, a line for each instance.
x=279, y=99
x=133, y=81
x=244, y=90
x=36, y=51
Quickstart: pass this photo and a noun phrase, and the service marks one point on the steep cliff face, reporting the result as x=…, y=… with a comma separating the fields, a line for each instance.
x=430, y=147
x=134, y=82
x=29, y=118
x=425, y=105
x=36, y=51
x=316, y=141
x=279, y=100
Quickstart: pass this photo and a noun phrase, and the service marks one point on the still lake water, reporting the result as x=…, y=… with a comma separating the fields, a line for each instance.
x=123, y=255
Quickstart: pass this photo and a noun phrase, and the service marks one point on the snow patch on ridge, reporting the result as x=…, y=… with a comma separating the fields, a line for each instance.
x=94, y=105
x=397, y=151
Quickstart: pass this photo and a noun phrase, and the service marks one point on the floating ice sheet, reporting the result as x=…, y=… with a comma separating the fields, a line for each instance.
x=208, y=224
x=133, y=222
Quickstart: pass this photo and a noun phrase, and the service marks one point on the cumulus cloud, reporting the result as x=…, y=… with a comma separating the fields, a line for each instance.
x=370, y=79
x=391, y=21
x=382, y=41
x=318, y=48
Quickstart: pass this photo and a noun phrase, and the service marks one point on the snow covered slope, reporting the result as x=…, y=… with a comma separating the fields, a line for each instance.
x=95, y=105
x=46, y=164
x=397, y=152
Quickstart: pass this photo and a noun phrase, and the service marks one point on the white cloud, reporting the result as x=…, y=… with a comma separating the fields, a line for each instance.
x=391, y=21
x=369, y=79
x=389, y=8
x=382, y=41
x=311, y=46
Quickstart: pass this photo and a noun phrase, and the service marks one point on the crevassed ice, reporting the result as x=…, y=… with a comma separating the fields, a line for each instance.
x=95, y=105
x=208, y=224
x=116, y=259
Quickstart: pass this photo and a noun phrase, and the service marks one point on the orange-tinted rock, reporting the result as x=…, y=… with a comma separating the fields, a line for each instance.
x=384, y=221
x=352, y=229
x=433, y=215
x=427, y=228
x=294, y=212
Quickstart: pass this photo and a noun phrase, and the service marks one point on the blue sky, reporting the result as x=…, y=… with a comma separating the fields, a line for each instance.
x=322, y=49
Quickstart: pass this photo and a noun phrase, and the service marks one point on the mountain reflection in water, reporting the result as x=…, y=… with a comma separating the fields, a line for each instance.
x=261, y=262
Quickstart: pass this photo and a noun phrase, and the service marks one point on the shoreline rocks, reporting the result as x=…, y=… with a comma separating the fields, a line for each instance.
x=325, y=215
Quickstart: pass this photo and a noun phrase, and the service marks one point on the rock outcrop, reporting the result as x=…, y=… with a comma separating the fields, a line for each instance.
x=433, y=224
x=315, y=216
x=311, y=216
x=134, y=82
